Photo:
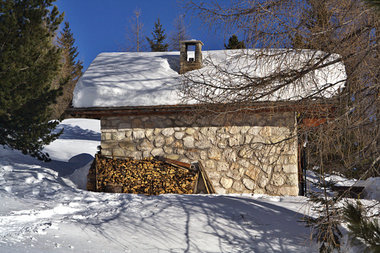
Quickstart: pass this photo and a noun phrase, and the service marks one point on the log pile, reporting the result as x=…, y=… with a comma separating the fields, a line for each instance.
x=149, y=176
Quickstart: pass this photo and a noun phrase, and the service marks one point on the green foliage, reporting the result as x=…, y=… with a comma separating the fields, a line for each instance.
x=362, y=229
x=66, y=42
x=326, y=226
x=29, y=62
x=234, y=43
x=157, y=42
x=70, y=72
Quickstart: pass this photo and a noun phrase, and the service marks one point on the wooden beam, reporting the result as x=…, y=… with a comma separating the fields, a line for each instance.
x=309, y=107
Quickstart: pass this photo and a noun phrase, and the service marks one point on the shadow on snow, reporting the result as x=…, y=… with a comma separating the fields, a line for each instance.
x=76, y=132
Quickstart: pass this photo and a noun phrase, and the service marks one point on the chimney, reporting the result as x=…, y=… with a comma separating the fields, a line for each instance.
x=190, y=60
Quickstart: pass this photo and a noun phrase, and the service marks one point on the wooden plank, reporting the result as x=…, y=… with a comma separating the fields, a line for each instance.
x=206, y=182
x=210, y=187
x=196, y=184
x=314, y=107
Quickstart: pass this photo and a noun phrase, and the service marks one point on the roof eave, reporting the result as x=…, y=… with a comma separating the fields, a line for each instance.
x=314, y=106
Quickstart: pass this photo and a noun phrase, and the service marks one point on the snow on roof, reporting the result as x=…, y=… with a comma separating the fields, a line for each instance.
x=271, y=74
x=129, y=79
x=151, y=78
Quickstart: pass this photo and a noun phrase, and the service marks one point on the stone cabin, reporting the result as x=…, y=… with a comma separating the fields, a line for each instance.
x=137, y=97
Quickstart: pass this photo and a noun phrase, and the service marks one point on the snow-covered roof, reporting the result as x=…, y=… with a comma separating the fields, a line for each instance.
x=152, y=79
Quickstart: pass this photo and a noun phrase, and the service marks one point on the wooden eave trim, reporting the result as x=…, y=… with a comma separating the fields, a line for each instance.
x=309, y=107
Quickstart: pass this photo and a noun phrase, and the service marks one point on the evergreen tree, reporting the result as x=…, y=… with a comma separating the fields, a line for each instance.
x=70, y=72
x=157, y=42
x=29, y=61
x=234, y=43
x=363, y=230
x=325, y=227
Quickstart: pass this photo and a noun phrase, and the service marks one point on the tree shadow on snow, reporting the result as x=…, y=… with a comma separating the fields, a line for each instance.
x=63, y=168
x=200, y=223
x=76, y=132
x=187, y=223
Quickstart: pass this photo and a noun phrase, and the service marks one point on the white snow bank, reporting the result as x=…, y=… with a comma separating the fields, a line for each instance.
x=79, y=137
x=46, y=213
x=41, y=211
x=84, y=124
x=151, y=78
x=79, y=176
x=371, y=185
x=336, y=179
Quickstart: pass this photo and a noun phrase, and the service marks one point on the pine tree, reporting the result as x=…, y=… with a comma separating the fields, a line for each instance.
x=29, y=61
x=326, y=226
x=234, y=43
x=157, y=42
x=70, y=72
x=362, y=229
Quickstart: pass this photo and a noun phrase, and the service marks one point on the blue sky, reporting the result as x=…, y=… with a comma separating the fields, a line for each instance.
x=100, y=25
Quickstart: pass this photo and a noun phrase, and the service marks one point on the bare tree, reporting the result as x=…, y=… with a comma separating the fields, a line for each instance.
x=316, y=38
x=180, y=33
x=337, y=32
x=135, y=34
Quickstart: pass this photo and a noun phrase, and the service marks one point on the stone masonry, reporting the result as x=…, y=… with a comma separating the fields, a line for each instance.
x=186, y=65
x=251, y=153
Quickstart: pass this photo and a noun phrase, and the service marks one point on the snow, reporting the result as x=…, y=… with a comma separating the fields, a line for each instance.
x=42, y=210
x=338, y=180
x=128, y=78
x=151, y=78
x=371, y=185
x=79, y=176
x=230, y=71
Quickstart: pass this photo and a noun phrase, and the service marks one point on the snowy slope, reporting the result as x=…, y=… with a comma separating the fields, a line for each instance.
x=43, y=211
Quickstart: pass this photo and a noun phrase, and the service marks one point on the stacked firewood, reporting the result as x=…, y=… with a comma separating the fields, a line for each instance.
x=147, y=176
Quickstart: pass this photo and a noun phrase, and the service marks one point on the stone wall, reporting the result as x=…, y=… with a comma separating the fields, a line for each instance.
x=250, y=153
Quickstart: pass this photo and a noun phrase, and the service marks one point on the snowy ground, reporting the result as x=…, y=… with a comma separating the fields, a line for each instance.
x=41, y=210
